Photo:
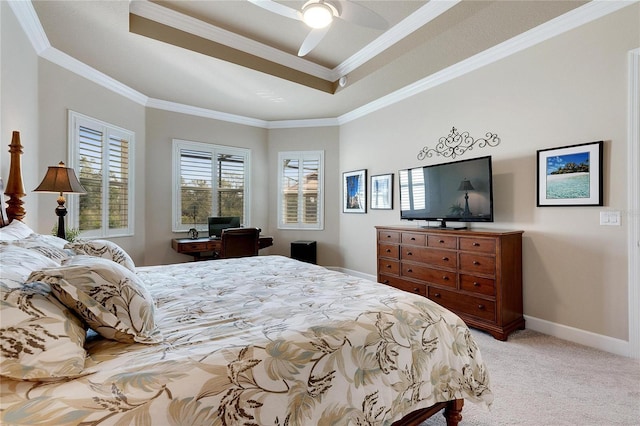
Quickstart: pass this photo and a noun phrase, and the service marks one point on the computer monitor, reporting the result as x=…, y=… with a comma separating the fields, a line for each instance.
x=218, y=223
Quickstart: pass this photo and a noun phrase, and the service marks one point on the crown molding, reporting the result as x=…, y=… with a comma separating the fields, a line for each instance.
x=28, y=19
x=411, y=23
x=582, y=15
x=206, y=113
x=570, y=20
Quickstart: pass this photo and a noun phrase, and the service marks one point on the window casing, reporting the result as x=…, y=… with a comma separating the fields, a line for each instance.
x=209, y=180
x=301, y=190
x=102, y=156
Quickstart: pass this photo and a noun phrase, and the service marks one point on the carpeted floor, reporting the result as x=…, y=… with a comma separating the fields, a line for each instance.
x=538, y=380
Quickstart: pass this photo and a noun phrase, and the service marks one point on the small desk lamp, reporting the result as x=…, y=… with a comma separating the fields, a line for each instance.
x=466, y=186
x=60, y=179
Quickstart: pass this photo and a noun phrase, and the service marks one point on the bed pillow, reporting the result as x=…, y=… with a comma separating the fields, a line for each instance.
x=103, y=248
x=40, y=339
x=15, y=231
x=47, y=245
x=109, y=297
x=18, y=262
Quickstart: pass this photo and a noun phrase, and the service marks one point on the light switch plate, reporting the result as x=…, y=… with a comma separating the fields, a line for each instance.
x=610, y=218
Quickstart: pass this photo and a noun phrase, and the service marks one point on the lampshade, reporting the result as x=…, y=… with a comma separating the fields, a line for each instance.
x=317, y=15
x=60, y=179
x=465, y=185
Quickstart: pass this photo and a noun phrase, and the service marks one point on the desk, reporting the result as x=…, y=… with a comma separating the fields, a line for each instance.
x=199, y=247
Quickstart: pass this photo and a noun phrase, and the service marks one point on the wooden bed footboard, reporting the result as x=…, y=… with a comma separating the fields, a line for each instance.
x=452, y=412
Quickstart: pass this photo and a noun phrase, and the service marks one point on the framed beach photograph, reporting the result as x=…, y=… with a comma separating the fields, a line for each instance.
x=570, y=175
x=354, y=189
x=382, y=192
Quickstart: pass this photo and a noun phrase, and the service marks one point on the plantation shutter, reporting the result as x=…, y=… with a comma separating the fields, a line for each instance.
x=300, y=195
x=230, y=178
x=101, y=154
x=196, y=174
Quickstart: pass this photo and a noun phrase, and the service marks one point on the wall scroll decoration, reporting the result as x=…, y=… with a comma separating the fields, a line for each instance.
x=456, y=143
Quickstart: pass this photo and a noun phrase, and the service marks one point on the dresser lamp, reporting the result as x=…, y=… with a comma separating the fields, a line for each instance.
x=60, y=179
x=466, y=186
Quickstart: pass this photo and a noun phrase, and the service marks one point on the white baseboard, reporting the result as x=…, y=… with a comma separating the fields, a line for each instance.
x=575, y=335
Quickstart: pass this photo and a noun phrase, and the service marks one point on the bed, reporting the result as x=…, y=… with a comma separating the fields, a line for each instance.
x=89, y=338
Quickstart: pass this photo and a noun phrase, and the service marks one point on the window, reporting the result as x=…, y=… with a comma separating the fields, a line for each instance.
x=102, y=156
x=209, y=180
x=300, y=193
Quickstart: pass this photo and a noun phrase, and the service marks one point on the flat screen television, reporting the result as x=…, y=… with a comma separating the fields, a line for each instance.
x=459, y=191
x=218, y=223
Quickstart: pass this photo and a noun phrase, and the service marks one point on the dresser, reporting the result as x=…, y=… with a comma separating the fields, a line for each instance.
x=475, y=273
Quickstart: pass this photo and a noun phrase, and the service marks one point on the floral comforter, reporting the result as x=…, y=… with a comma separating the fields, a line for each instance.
x=266, y=341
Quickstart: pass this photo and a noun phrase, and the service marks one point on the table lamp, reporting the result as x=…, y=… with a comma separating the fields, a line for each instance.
x=60, y=179
x=466, y=186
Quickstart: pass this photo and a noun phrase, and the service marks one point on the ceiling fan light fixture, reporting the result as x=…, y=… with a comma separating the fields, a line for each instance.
x=317, y=15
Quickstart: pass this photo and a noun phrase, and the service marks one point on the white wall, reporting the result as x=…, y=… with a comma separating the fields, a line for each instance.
x=569, y=90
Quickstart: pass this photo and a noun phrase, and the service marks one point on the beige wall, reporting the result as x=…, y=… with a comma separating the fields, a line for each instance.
x=162, y=128
x=60, y=91
x=569, y=90
x=19, y=106
x=329, y=253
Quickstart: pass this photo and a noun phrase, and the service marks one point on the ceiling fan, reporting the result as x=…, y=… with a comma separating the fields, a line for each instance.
x=319, y=14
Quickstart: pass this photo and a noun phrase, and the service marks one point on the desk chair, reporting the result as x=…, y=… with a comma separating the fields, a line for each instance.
x=239, y=242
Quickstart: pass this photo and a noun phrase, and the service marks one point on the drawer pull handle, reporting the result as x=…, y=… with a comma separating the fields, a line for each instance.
x=446, y=278
x=441, y=241
x=388, y=235
x=385, y=282
x=413, y=238
x=388, y=266
x=475, y=244
x=388, y=250
x=476, y=284
x=436, y=295
x=481, y=307
x=475, y=262
x=409, y=270
x=409, y=253
x=416, y=290
x=445, y=258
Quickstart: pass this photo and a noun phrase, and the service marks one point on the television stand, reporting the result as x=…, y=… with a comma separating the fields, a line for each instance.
x=443, y=225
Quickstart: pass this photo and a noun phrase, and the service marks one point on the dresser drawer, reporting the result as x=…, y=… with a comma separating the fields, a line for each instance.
x=482, y=245
x=464, y=304
x=401, y=284
x=442, y=241
x=478, y=263
x=431, y=275
x=444, y=258
x=391, y=251
x=414, y=239
x=480, y=285
x=389, y=267
x=388, y=236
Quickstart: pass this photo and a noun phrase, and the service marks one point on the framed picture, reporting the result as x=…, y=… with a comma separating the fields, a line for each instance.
x=570, y=175
x=354, y=189
x=382, y=192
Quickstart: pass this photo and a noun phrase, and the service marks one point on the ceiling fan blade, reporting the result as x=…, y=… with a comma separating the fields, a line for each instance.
x=313, y=39
x=278, y=8
x=361, y=15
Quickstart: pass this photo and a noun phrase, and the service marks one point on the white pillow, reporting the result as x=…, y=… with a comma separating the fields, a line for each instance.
x=110, y=298
x=105, y=249
x=41, y=339
x=18, y=262
x=15, y=231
